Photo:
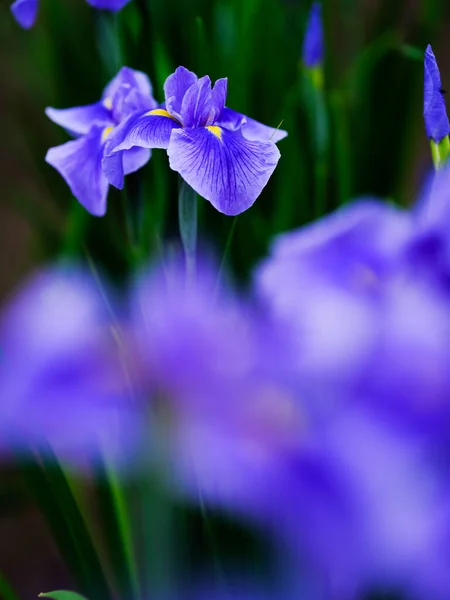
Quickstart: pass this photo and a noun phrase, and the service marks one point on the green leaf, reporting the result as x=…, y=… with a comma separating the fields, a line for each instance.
x=62, y=595
x=6, y=590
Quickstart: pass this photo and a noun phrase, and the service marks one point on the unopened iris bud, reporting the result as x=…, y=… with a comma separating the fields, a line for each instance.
x=313, y=47
x=434, y=111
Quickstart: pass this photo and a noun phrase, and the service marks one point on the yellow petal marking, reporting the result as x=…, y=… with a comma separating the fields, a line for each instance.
x=160, y=112
x=215, y=130
x=106, y=132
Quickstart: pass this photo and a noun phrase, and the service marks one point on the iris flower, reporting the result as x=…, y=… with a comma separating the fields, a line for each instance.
x=223, y=155
x=434, y=112
x=313, y=43
x=62, y=375
x=25, y=11
x=80, y=162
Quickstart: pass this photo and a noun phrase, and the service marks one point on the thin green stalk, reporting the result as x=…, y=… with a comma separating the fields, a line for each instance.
x=117, y=529
x=225, y=256
x=187, y=216
x=314, y=98
x=440, y=152
x=341, y=147
x=109, y=42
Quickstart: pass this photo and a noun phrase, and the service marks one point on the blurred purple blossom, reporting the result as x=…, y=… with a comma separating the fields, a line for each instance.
x=252, y=426
x=63, y=375
x=223, y=155
x=25, y=11
x=81, y=162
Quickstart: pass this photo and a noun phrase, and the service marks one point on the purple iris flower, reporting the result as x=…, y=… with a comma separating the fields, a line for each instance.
x=434, y=111
x=63, y=377
x=81, y=162
x=371, y=331
x=363, y=290
x=249, y=426
x=223, y=155
x=25, y=11
x=313, y=43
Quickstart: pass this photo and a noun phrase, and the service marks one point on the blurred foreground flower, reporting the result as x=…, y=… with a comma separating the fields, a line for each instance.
x=223, y=155
x=25, y=11
x=63, y=376
x=241, y=428
x=365, y=293
x=80, y=162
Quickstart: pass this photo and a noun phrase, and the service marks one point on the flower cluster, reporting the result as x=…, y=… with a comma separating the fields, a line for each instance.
x=223, y=155
x=316, y=405
x=25, y=11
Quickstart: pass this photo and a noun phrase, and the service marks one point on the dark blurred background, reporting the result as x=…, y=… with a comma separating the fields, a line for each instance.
x=376, y=143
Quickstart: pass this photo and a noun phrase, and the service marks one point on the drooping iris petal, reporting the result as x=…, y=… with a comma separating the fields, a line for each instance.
x=434, y=111
x=151, y=129
x=81, y=119
x=251, y=129
x=175, y=88
x=222, y=166
x=313, y=42
x=25, y=12
x=80, y=163
x=118, y=164
x=108, y=4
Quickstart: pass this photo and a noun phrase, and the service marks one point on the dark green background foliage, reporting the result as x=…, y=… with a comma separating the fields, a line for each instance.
x=372, y=132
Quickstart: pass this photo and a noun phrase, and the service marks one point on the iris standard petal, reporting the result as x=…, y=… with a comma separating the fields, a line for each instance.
x=218, y=99
x=108, y=4
x=197, y=103
x=128, y=77
x=80, y=163
x=81, y=119
x=434, y=111
x=151, y=129
x=222, y=166
x=175, y=88
x=25, y=12
x=251, y=129
x=118, y=164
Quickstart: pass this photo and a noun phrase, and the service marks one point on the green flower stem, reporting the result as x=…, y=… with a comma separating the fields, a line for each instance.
x=187, y=216
x=117, y=529
x=440, y=152
x=317, y=114
x=225, y=257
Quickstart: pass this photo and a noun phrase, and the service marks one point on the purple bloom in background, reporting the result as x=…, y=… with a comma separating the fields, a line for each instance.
x=313, y=49
x=63, y=375
x=25, y=11
x=81, y=162
x=223, y=155
x=434, y=111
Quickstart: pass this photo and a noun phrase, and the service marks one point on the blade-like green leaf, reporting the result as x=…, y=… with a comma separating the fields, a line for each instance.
x=62, y=595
